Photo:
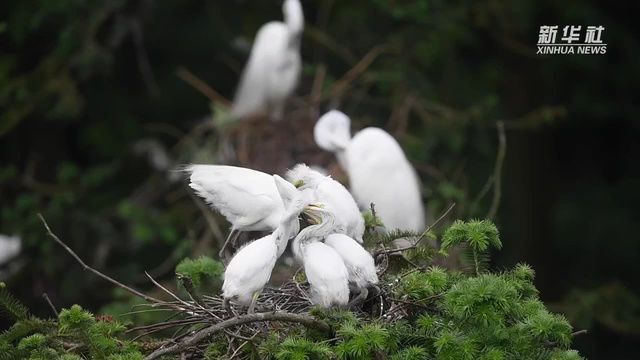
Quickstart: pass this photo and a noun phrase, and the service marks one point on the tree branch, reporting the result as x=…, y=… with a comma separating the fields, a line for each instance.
x=497, y=172
x=94, y=271
x=199, y=336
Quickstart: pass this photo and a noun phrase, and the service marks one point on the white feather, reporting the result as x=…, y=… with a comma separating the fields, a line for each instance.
x=326, y=274
x=334, y=196
x=378, y=170
x=247, y=198
x=359, y=263
x=273, y=68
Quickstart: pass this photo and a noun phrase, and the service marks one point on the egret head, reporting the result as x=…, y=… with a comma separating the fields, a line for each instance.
x=332, y=131
x=293, y=16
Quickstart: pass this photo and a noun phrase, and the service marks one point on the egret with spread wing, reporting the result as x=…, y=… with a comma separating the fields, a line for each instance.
x=250, y=268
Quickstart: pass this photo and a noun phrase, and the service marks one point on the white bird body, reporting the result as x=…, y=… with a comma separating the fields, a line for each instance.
x=10, y=247
x=323, y=266
x=247, y=198
x=273, y=68
x=334, y=196
x=327, y=274
x=250, y=269
x=380, y=173
x=378, y=170
x=359, y=263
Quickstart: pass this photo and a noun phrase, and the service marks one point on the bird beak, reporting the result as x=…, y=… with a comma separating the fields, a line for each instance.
x=311, y=213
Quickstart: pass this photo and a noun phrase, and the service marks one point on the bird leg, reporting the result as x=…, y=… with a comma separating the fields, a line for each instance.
x=233, y=235
x=362, y=296
x=252, y=306
x=227, y=305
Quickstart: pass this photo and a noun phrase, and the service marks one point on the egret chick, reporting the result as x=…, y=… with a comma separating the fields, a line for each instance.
x=324, y=268
x=272, y=71
x=250, y=269
x=334, y=196
x=360, y=264
x=378, y=170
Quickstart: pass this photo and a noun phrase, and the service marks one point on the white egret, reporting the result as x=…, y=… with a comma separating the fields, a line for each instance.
x=273, y=68
x=323, y=266
x=248, y=199
x=10, y=247
x=334, y=196
x=250, y=269
x=378, y=170
x=360, y=264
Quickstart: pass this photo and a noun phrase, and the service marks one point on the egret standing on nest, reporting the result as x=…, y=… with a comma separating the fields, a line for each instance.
x=378, y=170
x=325, y=270
x=273, y=68
x=334, y=196
x=250, y=269
x=248, y=199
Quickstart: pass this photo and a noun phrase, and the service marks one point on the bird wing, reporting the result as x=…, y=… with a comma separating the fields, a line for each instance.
x=356, y=258
x=266, y=54
x=243, y=196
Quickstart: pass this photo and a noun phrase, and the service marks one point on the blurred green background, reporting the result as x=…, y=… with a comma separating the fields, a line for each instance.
x=95, y=112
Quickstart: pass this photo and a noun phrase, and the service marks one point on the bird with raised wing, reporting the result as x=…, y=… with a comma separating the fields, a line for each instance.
x=250, y=269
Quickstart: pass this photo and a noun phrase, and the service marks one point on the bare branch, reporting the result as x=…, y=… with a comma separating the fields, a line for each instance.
x=94, y=271
x=497, y=172
x=199, y=336
x=424, y=233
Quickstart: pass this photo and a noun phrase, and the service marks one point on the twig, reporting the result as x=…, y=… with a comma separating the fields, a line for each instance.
x=497, y=172
x=305, y=320
x=579, y=332
x=46, y=298
x=343, y=83
x=424, y=233
x=206, y=90
x=94, y=271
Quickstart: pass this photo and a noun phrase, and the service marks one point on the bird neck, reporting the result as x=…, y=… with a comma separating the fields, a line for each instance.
x=289, y=226
x=294, y=18
x=314, y=233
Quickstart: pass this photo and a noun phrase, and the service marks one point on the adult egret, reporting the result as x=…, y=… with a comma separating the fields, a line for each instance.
x=324, y=268
x=334, y=196
x=250, y=269
x=359, y=263
x=10, y=247
x=378, y=170
x=273, y=68
x=247, y=198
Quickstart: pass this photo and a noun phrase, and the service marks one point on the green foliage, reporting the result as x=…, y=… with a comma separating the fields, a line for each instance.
x=10, y=306
x=478, y=236
x=302, y=349
x=363, y=341
x=204, y=272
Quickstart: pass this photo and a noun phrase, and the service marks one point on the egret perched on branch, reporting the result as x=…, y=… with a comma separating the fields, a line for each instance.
x=359, y=263
x=378, y=170
x=324, y=268
x=250, y=269
x=273, y=68
x=248, y=199
x=334, y=196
